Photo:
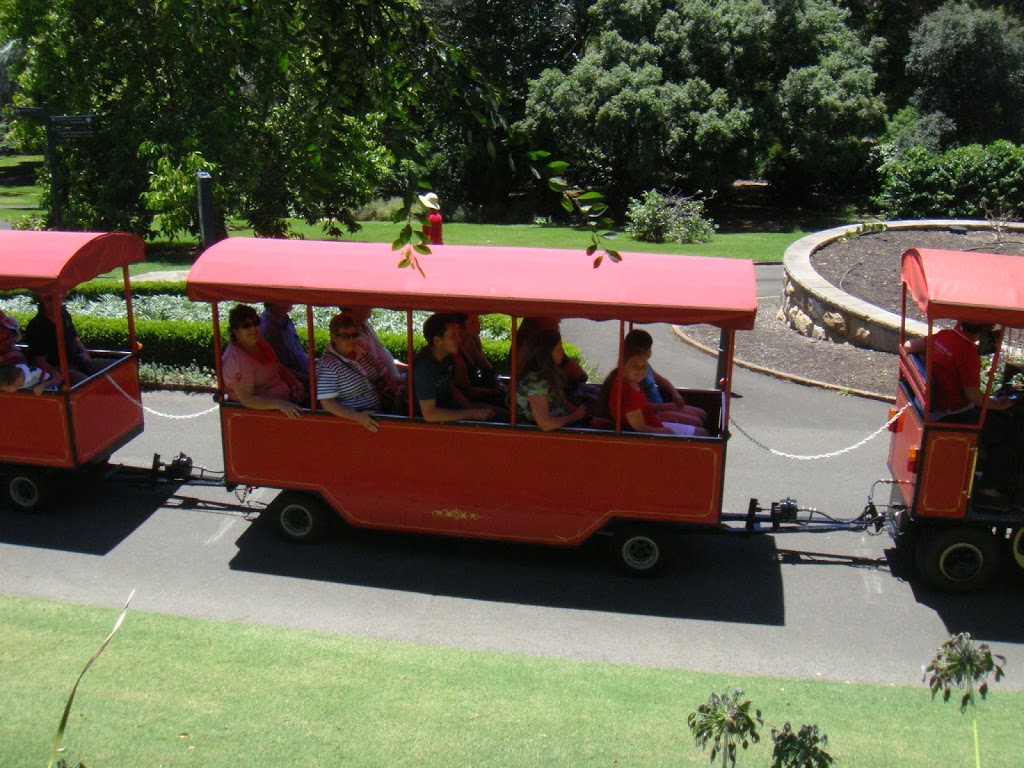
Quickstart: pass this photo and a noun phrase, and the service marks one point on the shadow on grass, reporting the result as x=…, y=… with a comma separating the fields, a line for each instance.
x=710, y=577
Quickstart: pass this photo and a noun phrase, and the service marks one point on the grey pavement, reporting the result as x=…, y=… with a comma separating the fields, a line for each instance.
x=830, y=606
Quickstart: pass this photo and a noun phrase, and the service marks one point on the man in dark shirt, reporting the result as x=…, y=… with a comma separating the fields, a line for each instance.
x=433, y=373
x=43, y=350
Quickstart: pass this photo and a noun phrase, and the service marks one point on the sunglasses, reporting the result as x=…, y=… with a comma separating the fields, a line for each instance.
x=248, y=324
x=352, y=335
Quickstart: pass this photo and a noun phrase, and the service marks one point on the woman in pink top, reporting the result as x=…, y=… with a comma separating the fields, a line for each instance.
x=253, y=374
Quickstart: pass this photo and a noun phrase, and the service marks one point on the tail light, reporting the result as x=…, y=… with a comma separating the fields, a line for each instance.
x=912, y=454
x=894, y=423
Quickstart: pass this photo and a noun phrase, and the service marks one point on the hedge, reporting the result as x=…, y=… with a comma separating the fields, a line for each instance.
x=190, y=343
x=960, y=183
x=184, y=343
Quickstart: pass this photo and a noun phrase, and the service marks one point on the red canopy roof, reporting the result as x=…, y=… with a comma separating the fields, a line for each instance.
x=966, y=286
x=521, y=281
x=52, y=263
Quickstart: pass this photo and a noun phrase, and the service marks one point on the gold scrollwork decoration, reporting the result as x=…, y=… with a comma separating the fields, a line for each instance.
x=455, y=514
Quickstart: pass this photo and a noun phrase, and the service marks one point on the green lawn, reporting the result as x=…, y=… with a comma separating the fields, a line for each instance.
x=18, y=194
x=18, y=198
x=25, y=198
x=759, y=246
x=177, y=692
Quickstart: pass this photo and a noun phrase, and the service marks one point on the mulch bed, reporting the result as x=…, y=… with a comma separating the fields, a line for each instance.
x=867, y=266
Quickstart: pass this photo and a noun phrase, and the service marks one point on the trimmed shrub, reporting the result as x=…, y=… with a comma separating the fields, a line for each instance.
x=965, y=182
x=657, y=218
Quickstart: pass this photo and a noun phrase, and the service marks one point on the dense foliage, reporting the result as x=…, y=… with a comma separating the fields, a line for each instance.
x=301, y=105
x=657, y=218
x=968, y=65
x=311, y=108
x=707, y=91
x=965, y=182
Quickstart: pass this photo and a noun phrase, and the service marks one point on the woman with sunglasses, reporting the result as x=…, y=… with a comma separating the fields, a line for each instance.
x=350, y=382
x=253, y=374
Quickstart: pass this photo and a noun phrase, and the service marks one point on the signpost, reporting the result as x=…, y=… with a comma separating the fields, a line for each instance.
x=58, y=128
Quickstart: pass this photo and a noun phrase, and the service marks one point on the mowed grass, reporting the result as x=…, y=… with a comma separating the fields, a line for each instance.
x=174, y=692
x=758, y=246
x=18, y=196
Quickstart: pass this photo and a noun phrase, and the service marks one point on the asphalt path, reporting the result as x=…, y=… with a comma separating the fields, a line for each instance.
x=837, y=606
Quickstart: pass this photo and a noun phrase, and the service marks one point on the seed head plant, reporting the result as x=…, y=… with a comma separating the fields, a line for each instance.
x=964, y=664
x=726, y=723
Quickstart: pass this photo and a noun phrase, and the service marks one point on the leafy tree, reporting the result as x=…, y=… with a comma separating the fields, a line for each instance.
x=303, y=105
x=706, y=91
x=510, y=42
x=968, y=64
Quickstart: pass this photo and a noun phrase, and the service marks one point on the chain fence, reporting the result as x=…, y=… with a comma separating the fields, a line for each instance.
x=815, y=457
x=149, y=410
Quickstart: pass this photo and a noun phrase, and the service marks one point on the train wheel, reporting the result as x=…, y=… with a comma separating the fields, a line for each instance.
x=1017, y=547
x=638, y=550
x=958, y=559
x=27, y=490
x=299, y=517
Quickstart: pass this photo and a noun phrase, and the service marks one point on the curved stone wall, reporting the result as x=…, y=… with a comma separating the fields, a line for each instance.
x=816, y=308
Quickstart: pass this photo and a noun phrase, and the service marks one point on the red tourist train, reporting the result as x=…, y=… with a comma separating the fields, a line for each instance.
x=448, y=483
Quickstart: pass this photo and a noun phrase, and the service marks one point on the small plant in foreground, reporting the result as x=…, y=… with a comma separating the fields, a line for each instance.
x=800, y=749
x=963, y=664
x=726, y=722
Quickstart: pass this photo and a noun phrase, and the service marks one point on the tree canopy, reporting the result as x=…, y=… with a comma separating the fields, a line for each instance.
x=702, y=92
x=302, y=105
x=310, y=108
x=968, y=65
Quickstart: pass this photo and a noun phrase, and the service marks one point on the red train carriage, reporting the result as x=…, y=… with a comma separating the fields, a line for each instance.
x=483, y=480
x=74, y=426
x=958, y=535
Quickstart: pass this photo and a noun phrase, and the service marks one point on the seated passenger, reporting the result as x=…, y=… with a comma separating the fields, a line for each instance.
x=43, y=352
x=347, y=377
x=279, y=332
x=655, y=387
x=474, y=375
x=540, y=387
x=19, y=376
x=252, y=373
x=433, y=373
x=369, y=341
x=577, y=390
x=10, y=334
x=957, y=397
x=626, y=397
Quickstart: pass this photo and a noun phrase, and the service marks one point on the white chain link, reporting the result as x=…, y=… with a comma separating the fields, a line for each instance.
x=157, y=413
x=841, y=451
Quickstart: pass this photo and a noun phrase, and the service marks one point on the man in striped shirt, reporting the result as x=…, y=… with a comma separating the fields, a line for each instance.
x=346, y=376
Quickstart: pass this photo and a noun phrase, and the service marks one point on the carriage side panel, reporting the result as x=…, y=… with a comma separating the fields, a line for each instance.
x=477, y=480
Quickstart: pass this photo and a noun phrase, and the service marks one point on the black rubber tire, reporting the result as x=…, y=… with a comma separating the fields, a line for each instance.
x=1017, y=548
x=27, y=490
x=299, y=517
x=639, y=550
x=958, y=559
